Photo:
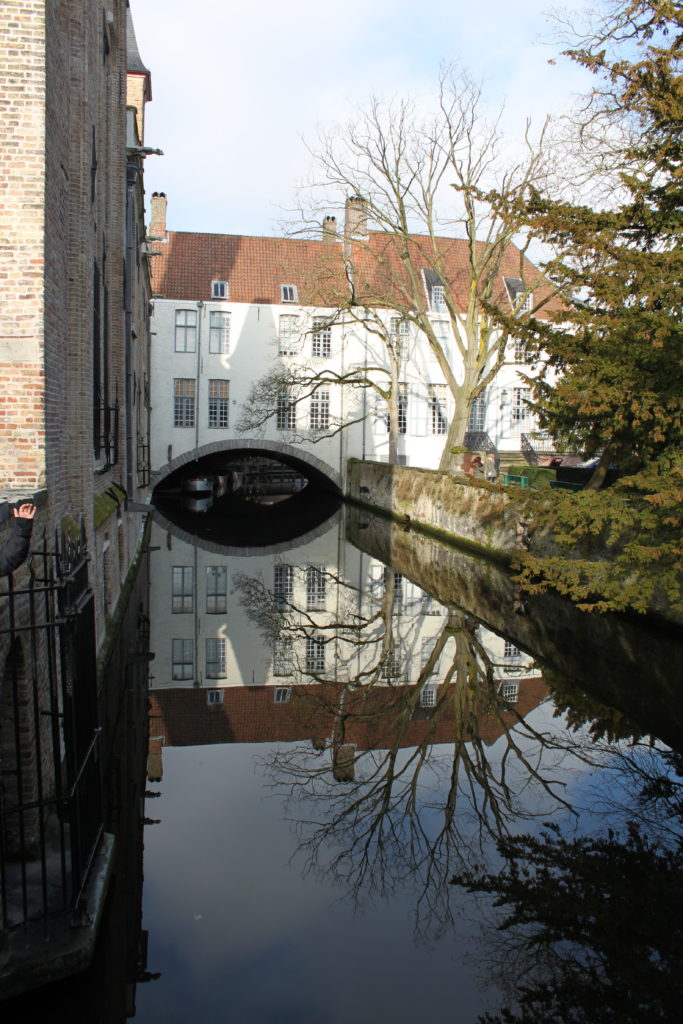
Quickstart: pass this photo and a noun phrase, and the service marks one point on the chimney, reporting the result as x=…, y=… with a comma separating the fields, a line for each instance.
x=157, y=223
x=329, y=229
x=356, y=218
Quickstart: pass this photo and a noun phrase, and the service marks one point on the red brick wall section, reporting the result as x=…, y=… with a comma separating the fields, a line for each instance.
x=22, y=132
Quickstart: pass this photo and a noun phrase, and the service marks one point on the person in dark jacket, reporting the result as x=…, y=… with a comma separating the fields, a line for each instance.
x=13, y=553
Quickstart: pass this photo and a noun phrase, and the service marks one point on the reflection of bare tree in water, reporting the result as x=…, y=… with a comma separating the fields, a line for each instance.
x=422, y=791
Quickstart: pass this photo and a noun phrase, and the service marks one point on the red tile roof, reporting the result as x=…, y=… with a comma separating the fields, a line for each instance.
x=249, y=715
x=255, y=268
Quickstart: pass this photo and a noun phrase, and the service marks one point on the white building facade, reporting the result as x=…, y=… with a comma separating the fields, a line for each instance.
x=229, y=312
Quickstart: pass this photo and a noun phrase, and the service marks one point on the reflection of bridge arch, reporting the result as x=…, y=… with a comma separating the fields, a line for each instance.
x=287, y=453
x=242, y=551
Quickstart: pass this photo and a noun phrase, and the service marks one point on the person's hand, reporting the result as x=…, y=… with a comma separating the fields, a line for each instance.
x=25, y=511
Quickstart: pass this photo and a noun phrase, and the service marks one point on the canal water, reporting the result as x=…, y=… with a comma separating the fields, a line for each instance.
x=381, y=785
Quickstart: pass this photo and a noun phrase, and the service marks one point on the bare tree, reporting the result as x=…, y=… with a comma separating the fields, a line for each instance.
x=421, y=181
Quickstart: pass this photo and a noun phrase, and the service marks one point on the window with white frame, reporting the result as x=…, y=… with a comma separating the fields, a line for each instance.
x=511, y=652
x=283, y=583
x=219, y=290
x=186, y=330
x=282, y=694
x=288, y=292
x=428, y=697
x=219, y=333
x=216, y=589
x=391, y=665
x=426, y=650
x=219, y=403
x=182, y=659
x=520, y=351
x=521, y=412
x=442, y=329
x=321, y=339
x=215, y=657
x=182, y=590
x=289, y=335
x=477, y=420
x=438, y=298
x=183, y=401
x=283, y=657
x=319, y=410
x=315, y=655
x=214, y=696
x=403, y=408
x=399, y=329
x=285, y=414
x=316, y=581
x=436, y=398
x=509, y=692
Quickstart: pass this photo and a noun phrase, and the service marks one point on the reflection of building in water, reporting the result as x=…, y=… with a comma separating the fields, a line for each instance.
x=237, y=638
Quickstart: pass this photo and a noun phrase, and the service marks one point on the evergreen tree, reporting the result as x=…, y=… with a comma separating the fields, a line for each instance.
x=616, y=348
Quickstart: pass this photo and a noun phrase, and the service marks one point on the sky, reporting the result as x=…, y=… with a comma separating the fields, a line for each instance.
x=242, y=91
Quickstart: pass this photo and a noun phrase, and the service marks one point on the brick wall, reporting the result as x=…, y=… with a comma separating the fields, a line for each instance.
x=22, y=136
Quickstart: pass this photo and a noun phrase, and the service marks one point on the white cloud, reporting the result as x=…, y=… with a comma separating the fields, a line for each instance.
x=236, y=87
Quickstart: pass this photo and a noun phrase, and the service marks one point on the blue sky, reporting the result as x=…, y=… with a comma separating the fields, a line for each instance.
x=239, y=89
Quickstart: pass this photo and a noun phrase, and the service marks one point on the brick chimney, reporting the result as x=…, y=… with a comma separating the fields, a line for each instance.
x=329, y=229
x=157, y=223
x=356, y=217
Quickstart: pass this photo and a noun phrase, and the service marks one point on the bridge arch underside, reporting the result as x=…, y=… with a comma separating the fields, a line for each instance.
x=207, y=458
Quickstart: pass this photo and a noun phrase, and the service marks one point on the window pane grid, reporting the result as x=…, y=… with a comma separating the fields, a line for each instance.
x=183, y=402
x=288, y=335
x=315, y=589
x=182, y=659
x=320, y=409
x=286, y=413
x=216, y=589
x=315, y=655
x=219, y=333
x=185, y=330
x=322, y=338
x=437, y=408
x=215, y=658
x=219, y=403
x=283, y=581
x=182, y=588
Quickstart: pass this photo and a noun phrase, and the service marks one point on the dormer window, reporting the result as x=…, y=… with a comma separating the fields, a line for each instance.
x=436, y=293
x=219, y=289
x=522, y=303
x=288, y=292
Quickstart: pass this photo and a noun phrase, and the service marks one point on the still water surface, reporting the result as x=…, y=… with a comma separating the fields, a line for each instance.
x=339, y=728
x=298, y=868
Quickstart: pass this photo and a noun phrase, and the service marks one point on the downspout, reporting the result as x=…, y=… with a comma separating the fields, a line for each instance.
x=200, y=308
x=132, y=171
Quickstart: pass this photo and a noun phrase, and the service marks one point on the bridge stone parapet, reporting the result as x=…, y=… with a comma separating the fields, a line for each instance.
x=275, y=449
x=478, y=513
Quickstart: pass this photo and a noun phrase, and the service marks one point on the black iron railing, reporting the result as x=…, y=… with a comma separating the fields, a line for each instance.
x=51, y=807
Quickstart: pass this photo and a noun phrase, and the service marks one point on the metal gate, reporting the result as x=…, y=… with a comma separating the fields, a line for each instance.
x=51, y=807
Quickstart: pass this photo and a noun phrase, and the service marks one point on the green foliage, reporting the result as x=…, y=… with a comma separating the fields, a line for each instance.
x=612, y=378
x=624, y=546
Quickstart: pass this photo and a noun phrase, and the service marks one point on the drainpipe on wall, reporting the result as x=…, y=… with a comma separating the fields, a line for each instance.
x=200, y=309
x=132, y=172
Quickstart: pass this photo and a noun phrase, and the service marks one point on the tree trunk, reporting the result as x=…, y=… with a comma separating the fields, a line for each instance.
x=455, y=438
